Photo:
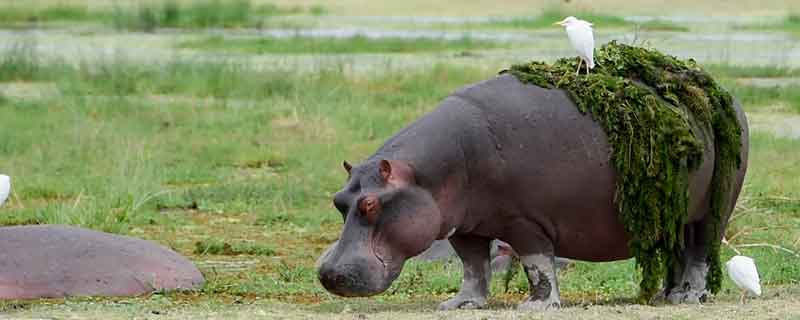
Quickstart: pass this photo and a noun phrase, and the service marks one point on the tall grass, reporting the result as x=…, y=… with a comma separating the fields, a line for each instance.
x=149, y=15
x=113, y=157
x=356, y=44
x=20, y=62
x=755, y=98
x=790, y=23
x=755, y=71
x=17, y=13
x=170, y=14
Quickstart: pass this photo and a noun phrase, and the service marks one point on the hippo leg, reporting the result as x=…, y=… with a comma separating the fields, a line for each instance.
x=474, y=254
x=686, y=282
x=544, y=295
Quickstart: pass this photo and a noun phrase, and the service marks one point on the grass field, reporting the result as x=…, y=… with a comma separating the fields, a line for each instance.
x=356, y=44
x=233, y=163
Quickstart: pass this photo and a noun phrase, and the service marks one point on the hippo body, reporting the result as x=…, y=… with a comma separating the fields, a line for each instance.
x=50, y=261
x=504, y=160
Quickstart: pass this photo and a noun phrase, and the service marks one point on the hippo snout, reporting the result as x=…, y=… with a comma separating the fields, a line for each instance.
x=352, y=279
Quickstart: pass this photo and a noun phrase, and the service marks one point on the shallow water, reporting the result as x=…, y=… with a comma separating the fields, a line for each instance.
x=707, y=46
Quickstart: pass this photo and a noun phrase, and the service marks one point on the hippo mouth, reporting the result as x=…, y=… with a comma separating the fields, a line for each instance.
x=355, y=275
x=390, y=270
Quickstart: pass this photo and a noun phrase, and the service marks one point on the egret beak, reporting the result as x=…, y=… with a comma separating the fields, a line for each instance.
x=560, y=23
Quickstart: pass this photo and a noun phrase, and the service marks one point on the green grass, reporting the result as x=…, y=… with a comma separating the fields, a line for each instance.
x=790, y=23
x=356, y=44
x=755, y=98
x=150, y=15
x=218, y=247
x=15, y=13
x=197, y=14
x=753, y=71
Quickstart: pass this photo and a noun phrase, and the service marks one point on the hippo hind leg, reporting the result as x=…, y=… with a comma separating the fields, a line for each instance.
x=686, y=281
x=474, y=254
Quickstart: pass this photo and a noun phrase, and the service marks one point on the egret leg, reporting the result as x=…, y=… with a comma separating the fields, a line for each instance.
x=744, y=294
x=580, y=61
x=587, y=68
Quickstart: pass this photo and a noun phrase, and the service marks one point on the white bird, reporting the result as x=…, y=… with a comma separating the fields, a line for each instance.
x=582, y=40
x=742, y=271
x=5, y=188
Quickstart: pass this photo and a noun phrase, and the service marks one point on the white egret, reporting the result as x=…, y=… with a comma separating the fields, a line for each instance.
x=582, y=40
x=5, y=188
x=744, y=274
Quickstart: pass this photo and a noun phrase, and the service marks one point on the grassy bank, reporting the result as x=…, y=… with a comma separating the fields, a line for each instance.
x=789, y=23
x=357, y=44
x=150, y=15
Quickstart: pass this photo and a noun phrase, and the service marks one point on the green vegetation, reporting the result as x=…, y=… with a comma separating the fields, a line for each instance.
x=151, y=15
x=219, y=247
x=785, y=97
x=726, y=70
x=654, y=147
x=197, y=14
x=356, y=44
x=790, y=23
x=10, y=14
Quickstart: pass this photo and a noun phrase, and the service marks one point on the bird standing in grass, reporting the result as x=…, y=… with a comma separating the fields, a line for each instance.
x=742, y=271
x=5, y=188
x=582, y=40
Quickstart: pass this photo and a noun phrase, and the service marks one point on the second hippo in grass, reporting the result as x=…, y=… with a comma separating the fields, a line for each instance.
x=500, y=160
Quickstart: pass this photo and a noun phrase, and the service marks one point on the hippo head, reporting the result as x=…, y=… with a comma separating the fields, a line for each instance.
x=388, y=218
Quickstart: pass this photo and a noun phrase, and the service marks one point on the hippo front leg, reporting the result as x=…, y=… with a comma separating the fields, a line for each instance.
x=540, y=269
x=474, y=254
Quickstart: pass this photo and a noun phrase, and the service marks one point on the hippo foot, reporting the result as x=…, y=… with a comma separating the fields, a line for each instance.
x=464, y=303
x=539, y=305
x=689, y=296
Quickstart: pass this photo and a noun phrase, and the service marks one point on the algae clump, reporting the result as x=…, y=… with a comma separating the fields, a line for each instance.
x=659, y=114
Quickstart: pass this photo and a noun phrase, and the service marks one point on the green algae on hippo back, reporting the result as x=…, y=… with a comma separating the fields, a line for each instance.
x=659, y=112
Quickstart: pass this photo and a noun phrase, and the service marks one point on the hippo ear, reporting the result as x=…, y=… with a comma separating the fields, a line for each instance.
x=370, y=207
x=347, y=166
x=385, y=169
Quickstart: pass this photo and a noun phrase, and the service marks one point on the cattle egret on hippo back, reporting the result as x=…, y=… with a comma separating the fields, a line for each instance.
x=582, y=40
x=5, y=188
x=744, y=274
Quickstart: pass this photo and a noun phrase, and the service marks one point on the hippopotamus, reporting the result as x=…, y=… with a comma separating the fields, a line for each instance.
x=502, y=159
x=52, y=261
